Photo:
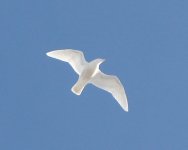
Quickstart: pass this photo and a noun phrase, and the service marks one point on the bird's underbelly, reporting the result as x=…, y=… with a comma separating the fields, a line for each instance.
x=87, y=74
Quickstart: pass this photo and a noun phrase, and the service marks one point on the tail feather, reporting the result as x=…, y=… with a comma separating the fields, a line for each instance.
x=78, y=87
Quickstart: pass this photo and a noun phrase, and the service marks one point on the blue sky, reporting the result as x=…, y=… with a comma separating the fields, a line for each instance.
x=145, y=43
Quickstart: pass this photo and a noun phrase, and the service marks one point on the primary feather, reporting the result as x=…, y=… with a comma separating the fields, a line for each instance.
x=112, y=85
x=73, y=57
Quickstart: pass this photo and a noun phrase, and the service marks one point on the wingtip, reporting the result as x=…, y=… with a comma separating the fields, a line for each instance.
x=48, y=53
x=127, y=110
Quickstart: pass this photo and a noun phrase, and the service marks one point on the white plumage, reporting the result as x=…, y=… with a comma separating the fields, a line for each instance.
x=89, y=72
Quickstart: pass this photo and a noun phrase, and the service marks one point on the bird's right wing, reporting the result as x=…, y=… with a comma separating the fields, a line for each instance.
x=113, y=85
x=74, y=57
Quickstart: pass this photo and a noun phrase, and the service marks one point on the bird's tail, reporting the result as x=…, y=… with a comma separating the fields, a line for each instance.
x=78, y=87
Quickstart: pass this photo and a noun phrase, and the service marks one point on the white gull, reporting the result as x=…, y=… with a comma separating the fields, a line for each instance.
x=89, y=72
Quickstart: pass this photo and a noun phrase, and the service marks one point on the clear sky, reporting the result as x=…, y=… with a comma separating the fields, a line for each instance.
x=144, y=42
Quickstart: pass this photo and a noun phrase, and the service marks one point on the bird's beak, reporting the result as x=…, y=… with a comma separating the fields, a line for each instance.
x=103, y=60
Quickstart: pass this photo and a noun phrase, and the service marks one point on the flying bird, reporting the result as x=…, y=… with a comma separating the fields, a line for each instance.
x=89, y=73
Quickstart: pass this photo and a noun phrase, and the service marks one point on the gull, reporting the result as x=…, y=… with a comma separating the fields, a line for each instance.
x=89, y=73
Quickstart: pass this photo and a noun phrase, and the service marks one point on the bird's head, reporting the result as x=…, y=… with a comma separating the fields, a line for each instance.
x=99, y=61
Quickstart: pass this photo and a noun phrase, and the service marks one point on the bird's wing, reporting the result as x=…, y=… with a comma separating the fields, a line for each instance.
x=74, y=57
x=113, y=85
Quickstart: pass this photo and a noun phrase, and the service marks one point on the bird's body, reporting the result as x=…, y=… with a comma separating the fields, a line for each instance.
x=89, y=72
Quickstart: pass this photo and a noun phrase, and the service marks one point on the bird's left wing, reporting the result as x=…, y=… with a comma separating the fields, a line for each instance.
x=113, y=85
x=74, y=57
